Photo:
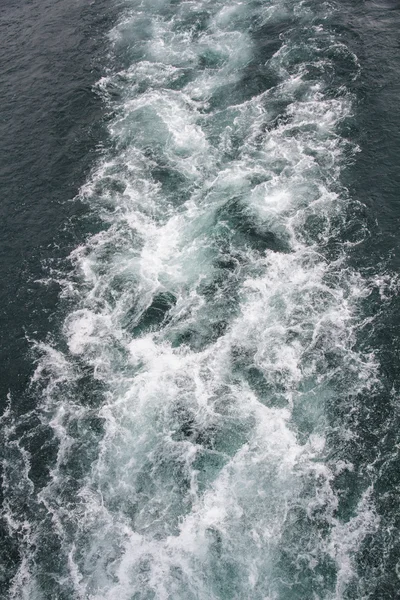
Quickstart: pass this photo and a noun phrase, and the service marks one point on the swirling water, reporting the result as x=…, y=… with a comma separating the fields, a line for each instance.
x=198, y=410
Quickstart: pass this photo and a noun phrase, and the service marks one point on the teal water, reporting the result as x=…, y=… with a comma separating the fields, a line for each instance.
x=211, y=412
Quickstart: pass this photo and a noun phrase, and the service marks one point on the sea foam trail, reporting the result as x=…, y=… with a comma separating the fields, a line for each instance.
x=214, y=323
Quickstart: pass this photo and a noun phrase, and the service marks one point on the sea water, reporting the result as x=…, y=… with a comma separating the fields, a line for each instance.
x=199, y=410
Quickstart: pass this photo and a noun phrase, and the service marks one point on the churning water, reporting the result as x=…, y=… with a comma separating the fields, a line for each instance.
x=194, y=433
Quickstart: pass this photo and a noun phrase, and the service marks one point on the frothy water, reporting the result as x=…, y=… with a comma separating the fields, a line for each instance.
x=186, y=409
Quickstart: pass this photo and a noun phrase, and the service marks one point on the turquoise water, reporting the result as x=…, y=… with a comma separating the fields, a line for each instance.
x=203, y=407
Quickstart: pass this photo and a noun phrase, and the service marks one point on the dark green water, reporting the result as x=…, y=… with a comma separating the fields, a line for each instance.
x=199, y=259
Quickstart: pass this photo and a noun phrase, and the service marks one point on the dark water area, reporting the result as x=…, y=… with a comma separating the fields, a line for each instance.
x=172, y=434
x=51, y=54
x=371, y=29
x=374, y=180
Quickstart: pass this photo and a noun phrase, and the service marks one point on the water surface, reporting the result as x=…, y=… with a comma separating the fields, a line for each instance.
x=208, y=405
